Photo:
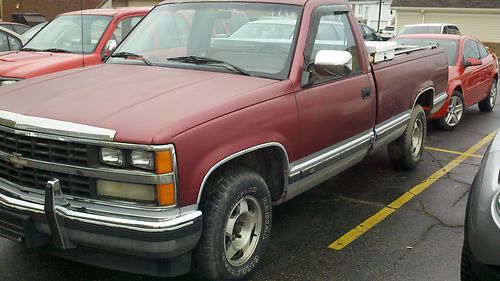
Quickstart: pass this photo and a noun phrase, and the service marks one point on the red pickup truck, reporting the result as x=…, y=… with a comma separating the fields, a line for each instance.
x=58, y=46
x=169, y=157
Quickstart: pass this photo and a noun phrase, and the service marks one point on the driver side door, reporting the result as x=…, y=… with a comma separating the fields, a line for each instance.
x=336, y=110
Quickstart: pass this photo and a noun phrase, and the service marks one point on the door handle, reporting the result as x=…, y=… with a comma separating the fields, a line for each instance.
x=365, y=93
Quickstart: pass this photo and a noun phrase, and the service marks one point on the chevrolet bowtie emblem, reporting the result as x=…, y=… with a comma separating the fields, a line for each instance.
x=17, y=160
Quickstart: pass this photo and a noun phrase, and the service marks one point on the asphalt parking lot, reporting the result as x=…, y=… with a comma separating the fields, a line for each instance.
x=369, y=223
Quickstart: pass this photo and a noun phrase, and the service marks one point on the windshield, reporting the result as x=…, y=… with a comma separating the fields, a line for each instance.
x=255, y=38
x=420, y=29
x=450, y=46
x=65, y=33
x=32, y=31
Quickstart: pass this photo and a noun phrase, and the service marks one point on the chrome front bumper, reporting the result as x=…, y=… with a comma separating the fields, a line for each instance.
x=68, y=224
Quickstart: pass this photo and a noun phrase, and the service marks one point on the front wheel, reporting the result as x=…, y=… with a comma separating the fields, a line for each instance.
x=455, y=112
x=236, y=225
x=489, y=102
x=406, y=151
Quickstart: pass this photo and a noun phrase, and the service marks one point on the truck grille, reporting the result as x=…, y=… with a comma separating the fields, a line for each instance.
x=37, y=179
x=44, y=149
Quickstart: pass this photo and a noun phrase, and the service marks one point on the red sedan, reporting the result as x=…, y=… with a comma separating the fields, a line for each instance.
x=473, y=75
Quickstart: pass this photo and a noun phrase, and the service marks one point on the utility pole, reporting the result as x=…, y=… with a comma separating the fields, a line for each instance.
x=379, y=14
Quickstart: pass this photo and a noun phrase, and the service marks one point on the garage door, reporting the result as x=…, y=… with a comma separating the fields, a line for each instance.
x=404, y=18
x=483, y=26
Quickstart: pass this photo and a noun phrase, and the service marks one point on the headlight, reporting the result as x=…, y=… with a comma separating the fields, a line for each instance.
x=112, y=156
x=127, y=191
x=7, y=82
x=142, y=159
x=157, y=162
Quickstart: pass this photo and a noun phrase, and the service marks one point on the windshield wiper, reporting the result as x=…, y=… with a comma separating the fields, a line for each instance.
x=56, y=50
x=209, y=61
x=128, y=55
x=30, y=50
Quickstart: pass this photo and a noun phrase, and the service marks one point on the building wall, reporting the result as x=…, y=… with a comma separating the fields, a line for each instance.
x=139, y=3
x=484, y=26
x=367, y=12
x=48, y=8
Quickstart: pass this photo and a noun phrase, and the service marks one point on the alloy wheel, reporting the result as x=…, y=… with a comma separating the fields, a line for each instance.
x=417, y=138
x=242, y=232
x=455, y=111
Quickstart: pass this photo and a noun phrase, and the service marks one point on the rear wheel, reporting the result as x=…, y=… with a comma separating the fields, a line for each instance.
x=455, y=112
x=489, y=102
x=236, y=225
x=406, y=151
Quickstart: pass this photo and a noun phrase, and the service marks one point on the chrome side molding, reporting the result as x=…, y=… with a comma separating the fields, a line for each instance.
x=439, y=101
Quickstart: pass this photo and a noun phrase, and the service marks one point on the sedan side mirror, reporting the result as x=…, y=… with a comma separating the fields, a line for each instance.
x=109, y=48
x=335, y=62
x=472, y=62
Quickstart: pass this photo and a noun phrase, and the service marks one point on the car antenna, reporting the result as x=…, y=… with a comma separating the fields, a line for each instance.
x=81, y=18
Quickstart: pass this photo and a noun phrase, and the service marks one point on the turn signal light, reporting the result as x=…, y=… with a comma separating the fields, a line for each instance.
x=166, y=194
x=164, y=163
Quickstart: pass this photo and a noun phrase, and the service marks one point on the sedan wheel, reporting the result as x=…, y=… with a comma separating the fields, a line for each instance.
x=489, y=102
x=455, y=111
x=454, y=114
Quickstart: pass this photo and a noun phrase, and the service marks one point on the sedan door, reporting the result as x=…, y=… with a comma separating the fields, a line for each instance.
x=472, y=77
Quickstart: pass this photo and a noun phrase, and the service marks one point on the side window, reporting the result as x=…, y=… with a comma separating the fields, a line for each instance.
x=455, y=30
x=8, y=26
x=14, y=43
x=4, y=42
x=20, y=29
x=447, y=30
x=482, y=50
x=369, y=34
x=335, y=33
x=124, y=27
x=470, y=50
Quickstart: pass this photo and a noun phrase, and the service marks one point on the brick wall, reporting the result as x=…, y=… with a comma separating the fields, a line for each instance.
x=48, y=8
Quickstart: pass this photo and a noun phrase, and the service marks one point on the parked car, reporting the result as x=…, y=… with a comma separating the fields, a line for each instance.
x=34, y=30
x=473, y=75
x=480, y=253
x=369, y=34
x=170, y=156
x=388, y=32
x=18, y=28
x=430, y=28
x=10, y=41
x=58, y=46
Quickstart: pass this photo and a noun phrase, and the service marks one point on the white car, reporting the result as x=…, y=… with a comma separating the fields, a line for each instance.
x=10, y=41
x=388, y=32
x=430, y=28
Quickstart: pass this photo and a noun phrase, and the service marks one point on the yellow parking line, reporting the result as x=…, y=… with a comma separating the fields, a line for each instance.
x=362, y=228
x=451, y=151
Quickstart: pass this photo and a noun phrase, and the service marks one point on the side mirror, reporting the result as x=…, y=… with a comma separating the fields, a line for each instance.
x=109, y=48
x=335, y=62
x=472, y=62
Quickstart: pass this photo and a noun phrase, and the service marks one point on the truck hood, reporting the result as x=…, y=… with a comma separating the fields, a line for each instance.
x=138, y=102
x=29, y=64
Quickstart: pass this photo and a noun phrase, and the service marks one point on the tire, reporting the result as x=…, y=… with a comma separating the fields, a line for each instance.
x=406, y=151
x=466, y=272
x=489, y=102
x=455, y=113
x=237, y=215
